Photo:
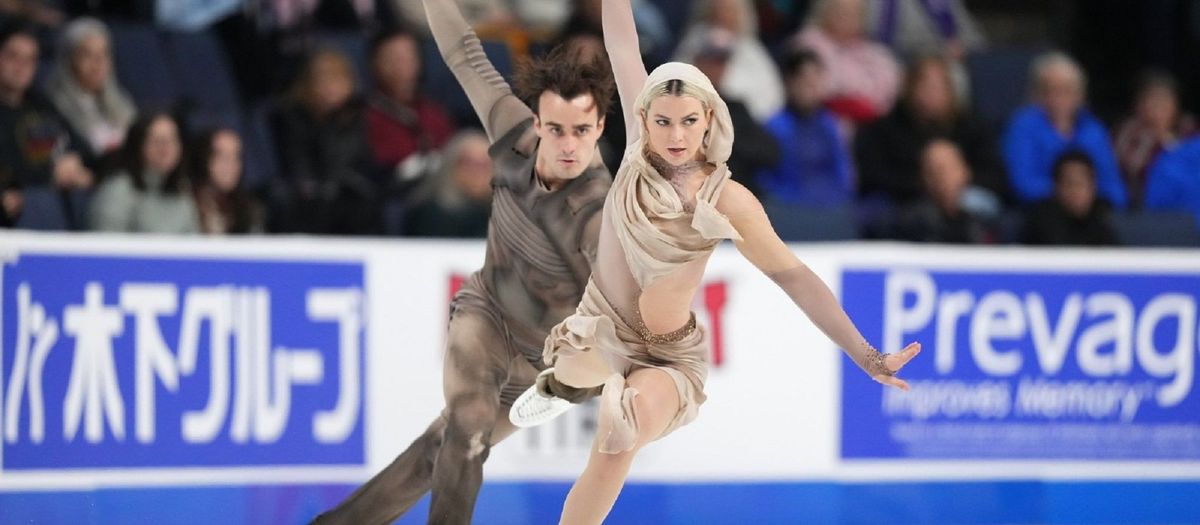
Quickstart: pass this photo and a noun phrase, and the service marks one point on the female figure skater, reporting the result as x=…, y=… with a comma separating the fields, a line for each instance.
x=670, y=204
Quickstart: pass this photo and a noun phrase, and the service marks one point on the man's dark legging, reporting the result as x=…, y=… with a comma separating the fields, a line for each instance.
x=481, y=379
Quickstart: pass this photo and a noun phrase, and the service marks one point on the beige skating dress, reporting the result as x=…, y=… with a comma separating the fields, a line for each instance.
x=648, y=232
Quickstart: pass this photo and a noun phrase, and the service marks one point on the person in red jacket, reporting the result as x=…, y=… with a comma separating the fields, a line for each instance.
x=401, y=121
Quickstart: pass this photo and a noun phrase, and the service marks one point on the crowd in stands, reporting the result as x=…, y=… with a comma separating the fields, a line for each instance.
x=338, y=117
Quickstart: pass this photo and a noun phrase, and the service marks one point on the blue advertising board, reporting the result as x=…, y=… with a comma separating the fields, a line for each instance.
x=136, y=362
x=1026, y=365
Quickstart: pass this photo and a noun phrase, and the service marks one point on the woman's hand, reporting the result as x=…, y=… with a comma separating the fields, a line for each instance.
x=894, y=362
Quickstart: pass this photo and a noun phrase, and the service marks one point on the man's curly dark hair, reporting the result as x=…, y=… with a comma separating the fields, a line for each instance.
x=568, y=71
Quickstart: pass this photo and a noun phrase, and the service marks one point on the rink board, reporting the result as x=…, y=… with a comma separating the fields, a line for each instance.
x=162, y=380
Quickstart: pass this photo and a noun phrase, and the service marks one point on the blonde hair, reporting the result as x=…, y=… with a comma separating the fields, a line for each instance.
x=678, y=88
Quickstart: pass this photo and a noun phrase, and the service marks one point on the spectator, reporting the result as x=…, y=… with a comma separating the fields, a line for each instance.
x=913, y=28
x=401, y=121
x=1174, y=179
x=39, y=12
x=224, y=205
x=1055, y=122
x=757, y=148
x=461, y=198
x=329, y=183
x=780, y=19
x=1073, y=216
x=863, y=76
x=815, y=166
x=940, y=216
x=654, y=36
x=889, y=150
x=917, y=27
x=271, y=44
x=752, y=76
x=1157, y=124
x=150, y=194
x=38, y=152
x=85, y=90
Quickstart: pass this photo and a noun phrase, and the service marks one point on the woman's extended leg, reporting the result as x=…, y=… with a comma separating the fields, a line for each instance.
x=593, y=495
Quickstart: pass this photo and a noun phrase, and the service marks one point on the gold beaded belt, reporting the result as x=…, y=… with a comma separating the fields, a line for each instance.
x=675, y=336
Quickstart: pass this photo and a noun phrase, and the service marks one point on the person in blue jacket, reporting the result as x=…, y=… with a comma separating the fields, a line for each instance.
x=1055, y=122
x=1174, y=180
x=815, y=165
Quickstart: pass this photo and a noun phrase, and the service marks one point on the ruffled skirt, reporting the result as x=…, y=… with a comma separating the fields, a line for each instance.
x=596, y=327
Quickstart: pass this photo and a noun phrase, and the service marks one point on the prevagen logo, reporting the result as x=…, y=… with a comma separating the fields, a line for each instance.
x=138, y=362
x=1009, y=330
x=1033, y=348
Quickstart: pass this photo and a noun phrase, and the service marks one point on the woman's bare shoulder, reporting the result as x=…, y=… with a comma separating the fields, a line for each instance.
x=736, y=199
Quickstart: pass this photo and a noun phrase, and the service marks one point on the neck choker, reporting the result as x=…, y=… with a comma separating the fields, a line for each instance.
x=677, y=176
x=671, y=171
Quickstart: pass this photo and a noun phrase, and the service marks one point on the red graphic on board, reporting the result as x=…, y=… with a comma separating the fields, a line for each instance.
x=456, y=283
x=714, y=305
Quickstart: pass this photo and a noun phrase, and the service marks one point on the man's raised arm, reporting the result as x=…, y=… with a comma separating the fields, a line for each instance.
x=491, y=97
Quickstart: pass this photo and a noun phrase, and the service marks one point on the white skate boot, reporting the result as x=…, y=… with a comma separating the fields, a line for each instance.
x=533, y=408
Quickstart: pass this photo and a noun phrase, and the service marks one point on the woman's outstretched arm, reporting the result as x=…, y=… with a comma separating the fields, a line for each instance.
x=491, y=97
x=621, y=42
x=763, y=248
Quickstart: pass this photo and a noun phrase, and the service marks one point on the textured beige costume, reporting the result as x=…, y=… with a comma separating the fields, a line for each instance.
x=540, y=247
x=649, y=231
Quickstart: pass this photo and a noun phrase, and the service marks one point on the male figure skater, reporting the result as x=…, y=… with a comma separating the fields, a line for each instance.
x=549, y=186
